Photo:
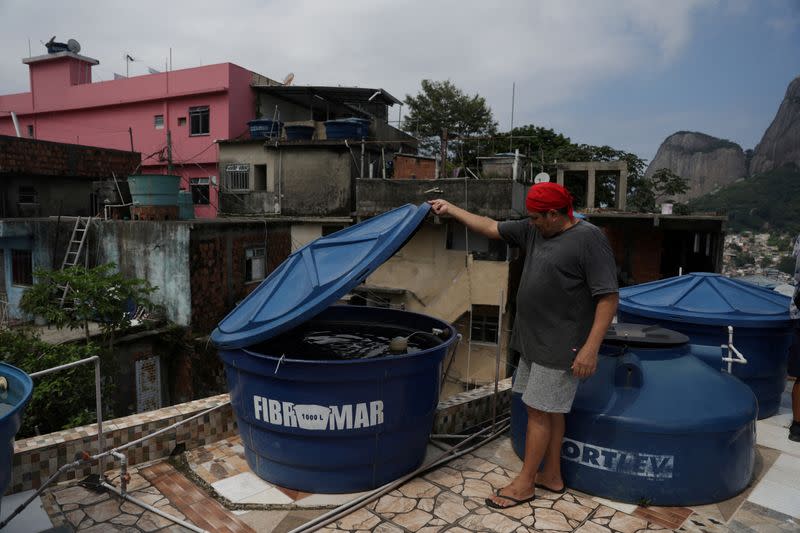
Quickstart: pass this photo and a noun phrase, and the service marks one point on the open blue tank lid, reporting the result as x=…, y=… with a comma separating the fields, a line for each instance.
x=709, y=299
x=317, y=275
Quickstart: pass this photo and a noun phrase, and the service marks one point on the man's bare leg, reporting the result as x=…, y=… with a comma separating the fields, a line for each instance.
x=550, y=476
x=537, y=438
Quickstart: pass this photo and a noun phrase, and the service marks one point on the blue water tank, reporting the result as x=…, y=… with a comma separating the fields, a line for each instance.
x=347, y=128
x=655, y=424
x=154, y=189
x=299, y=132
x=332, y=425
x=264, y=128
x=702, y=306
x=14, y=396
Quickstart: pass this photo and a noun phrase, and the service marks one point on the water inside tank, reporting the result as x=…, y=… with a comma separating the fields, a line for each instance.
x=331, y=340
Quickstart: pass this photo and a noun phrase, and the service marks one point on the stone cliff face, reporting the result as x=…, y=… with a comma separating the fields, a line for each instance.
x=781, y=142
x=707, y=162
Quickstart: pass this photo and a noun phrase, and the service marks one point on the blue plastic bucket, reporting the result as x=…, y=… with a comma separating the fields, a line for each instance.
x=336, y=426
x=12, y=404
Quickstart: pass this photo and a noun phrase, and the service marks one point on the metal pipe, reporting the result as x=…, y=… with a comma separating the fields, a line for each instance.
x=347, y=508
x=101, y=439
x=64, y=367
x=156, y=510
x=497, y=358
x=16, y=123
x=123, y=470
x=64, y=468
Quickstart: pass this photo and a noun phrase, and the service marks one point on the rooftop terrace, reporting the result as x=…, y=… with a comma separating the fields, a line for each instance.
x=208, y=485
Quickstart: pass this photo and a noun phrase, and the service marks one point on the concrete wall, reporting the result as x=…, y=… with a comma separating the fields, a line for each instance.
x=155, y=251
x=316, y=182
x=303, y=234
x=490, y=198
x=445, y=284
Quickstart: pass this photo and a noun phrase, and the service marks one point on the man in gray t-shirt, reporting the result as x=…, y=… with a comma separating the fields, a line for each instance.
x=566, y=301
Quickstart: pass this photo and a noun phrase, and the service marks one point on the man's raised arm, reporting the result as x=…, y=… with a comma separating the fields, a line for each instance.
x=479, y=224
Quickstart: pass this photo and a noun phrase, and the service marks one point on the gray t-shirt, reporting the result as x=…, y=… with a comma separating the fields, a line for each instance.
x=560, y=280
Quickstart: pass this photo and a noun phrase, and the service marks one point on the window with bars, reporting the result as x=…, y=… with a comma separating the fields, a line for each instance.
x=484, y=324
x=201, y=192
x=237, y=177
x=255, y=267
x=199, y=120
x=21, y=267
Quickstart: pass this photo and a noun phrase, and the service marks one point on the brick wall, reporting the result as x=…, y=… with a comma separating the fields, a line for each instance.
x=44, y=158
x=637, y=249
x=154, y=212
x=414, y=168
x=217, y=264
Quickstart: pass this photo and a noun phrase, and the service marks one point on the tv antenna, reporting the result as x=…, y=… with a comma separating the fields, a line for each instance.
x=541, y=177
x=288, y=79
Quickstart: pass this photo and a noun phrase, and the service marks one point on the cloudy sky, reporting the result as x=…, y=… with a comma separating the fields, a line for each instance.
x=626, y=73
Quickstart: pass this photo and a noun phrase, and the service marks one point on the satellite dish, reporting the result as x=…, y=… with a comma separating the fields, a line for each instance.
x=541, y=177
x=288, y=79
x=73, y=46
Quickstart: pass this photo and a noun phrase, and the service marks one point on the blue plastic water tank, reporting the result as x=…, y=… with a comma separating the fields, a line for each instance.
x=264, y=128
x=332, y=426
x=154, y=189
x=12, y=403
x=655, y=424
x=702, y=306
x=347, y=128
x=299, y=132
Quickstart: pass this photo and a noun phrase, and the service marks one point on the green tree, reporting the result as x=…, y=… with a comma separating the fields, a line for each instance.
x=62, y=399
x=659, y=188
x=440, y=105
x=786, y=264
x=94, y=294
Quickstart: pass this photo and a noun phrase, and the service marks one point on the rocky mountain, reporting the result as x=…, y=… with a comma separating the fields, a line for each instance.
x=707, y=162
x=780, y=144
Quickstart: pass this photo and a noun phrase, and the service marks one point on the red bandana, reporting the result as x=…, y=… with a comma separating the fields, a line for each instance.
x=543, y=197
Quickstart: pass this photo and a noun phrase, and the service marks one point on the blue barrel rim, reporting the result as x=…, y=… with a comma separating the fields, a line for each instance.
x=445, y=344
x=6, y=370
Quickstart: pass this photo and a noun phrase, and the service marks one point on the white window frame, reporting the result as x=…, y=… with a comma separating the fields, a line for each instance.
x=198, y=111
x=237, y=177
x=254, y=256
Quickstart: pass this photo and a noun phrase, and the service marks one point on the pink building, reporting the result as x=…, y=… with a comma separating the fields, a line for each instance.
x=197, y=106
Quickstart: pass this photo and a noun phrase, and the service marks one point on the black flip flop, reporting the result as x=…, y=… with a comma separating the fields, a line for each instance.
x=493, y=505
x=539, y=485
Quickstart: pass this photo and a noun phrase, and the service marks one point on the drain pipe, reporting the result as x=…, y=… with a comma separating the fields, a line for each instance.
x=152, y=509
x=347, y=508
x=16, y=123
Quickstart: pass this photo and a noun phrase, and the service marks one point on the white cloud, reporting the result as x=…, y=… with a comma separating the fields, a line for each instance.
x=555, y=50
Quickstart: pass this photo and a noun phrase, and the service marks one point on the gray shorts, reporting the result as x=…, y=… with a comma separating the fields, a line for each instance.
x=546, y=389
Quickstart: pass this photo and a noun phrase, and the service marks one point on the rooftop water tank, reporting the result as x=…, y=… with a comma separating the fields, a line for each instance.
x=299, y=132
x=655, y=424
x=702, y=306
x=185, y=205
x=16, y=388
x=318, y=417
x=264, y=128
x=347, y=128
x=154, y=189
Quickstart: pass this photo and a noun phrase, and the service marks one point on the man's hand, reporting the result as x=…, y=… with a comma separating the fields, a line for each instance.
x=439, y=206
x=585, y=362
